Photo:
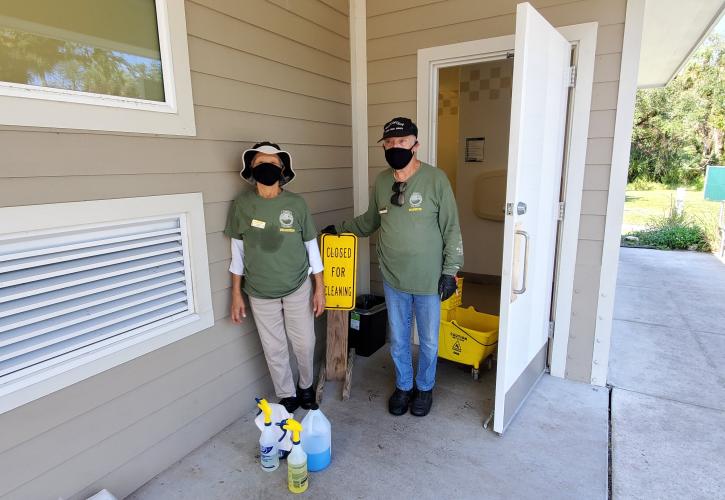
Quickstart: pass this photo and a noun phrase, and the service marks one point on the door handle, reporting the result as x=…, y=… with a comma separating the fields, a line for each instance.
x=519, y=291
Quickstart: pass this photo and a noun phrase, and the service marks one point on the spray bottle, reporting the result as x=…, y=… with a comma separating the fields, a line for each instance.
x=268, y=456
x=297, y=459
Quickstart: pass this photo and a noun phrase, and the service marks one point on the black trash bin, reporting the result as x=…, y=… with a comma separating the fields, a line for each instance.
x=368, y=324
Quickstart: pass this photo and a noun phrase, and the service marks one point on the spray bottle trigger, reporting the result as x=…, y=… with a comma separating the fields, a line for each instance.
x=281, y=425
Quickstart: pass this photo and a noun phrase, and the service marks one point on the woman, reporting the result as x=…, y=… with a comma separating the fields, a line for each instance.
x=274, y=251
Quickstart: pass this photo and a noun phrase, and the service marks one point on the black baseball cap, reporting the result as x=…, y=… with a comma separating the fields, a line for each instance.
x=399, y=127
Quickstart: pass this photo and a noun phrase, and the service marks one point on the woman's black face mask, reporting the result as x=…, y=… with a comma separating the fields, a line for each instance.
x=399, y=157
x=267, y=173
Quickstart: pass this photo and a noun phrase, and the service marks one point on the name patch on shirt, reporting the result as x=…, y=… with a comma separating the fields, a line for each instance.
x=258, y=223
x=415, y=209
x=383, y=211
x=286, y=230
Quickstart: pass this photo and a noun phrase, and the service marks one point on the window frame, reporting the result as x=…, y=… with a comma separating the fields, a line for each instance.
x=25, y=387
x=34, y=106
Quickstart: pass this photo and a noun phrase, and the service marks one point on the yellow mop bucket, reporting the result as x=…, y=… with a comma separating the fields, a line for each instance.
x=468, y=337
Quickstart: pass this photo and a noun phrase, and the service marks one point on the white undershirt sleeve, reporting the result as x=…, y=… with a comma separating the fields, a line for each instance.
x=313, y=255
x=237, y=265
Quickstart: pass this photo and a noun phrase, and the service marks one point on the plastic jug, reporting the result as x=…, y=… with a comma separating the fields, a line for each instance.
x=317, y=439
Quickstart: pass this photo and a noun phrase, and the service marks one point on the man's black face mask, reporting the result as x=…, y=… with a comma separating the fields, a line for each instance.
x=399, y=157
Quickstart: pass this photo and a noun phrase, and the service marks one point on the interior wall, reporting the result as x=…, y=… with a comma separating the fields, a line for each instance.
x=260, y=69
x=448, y=116
x=485, y=111
x=396, y=30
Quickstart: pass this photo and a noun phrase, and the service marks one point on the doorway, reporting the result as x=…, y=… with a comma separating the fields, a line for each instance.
x=474, y=115
x=540, y=141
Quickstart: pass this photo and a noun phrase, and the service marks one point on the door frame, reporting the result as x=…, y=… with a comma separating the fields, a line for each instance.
x=584, y=38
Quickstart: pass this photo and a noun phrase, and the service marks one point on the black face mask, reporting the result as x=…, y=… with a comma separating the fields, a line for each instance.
x=267, y=173
x=399, y=157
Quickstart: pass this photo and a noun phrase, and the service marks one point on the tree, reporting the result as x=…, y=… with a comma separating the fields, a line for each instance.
x=680, y=129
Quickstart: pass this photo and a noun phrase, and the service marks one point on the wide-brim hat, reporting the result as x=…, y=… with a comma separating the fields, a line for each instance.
x=271, y=149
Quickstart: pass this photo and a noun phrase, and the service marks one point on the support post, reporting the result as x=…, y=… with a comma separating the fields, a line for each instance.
x=336, y=362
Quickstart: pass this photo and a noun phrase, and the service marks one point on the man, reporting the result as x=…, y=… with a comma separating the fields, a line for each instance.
x=420, y=252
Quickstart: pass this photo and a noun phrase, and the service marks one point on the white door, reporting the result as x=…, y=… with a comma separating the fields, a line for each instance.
x=536, y=148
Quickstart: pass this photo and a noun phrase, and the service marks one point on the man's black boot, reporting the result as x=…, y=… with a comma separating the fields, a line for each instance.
x=399, y=402
x=306, y=397
x=422, y=402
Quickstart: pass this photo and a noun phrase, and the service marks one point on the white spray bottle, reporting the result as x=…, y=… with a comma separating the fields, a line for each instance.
x=268, y=456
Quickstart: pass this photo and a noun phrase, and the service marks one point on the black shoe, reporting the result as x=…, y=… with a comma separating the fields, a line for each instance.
x=306, y=397
x=290, y=404
x=422, y=401
x=399, y=402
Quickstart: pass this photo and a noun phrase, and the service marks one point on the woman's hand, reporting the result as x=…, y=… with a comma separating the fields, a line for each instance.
x=318, y=302
x=239, y=309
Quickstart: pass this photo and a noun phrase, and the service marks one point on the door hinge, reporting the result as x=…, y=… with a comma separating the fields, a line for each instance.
x=509, y=208
x=572, y=76
x=509, y=55
x=560, y=213
x=551, y=329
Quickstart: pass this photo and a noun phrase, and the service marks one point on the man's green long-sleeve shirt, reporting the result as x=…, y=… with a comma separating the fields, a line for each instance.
x=420, y=240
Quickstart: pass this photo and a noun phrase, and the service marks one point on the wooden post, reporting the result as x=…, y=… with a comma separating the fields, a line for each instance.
x=336, y=362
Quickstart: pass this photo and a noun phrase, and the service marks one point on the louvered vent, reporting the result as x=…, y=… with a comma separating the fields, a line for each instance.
x=63, y=293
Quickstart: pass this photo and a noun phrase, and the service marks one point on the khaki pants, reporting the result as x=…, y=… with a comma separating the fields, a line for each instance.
x=292, y=313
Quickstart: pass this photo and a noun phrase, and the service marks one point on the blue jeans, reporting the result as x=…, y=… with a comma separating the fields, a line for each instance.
x=400, y=316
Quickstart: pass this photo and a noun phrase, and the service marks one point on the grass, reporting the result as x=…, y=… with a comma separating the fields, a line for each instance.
x=640, y=207
x=652, y=209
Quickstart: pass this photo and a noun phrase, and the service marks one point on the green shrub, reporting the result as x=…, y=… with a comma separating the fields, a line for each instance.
x=698, y=184
x=672, y=232
x=643, y=184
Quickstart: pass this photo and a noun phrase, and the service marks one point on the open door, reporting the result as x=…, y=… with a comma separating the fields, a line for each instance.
x=536, y=149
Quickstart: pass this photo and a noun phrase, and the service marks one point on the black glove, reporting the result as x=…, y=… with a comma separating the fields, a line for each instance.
x=329, y=230
x=446, y=286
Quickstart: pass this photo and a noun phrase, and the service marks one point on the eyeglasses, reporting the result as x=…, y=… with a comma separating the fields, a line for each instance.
x=398, y=198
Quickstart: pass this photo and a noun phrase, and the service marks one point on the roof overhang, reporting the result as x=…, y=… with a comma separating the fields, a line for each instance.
x=672, y=31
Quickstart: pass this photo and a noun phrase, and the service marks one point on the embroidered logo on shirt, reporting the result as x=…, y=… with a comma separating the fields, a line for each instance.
x=286, y=219
x=416, y=199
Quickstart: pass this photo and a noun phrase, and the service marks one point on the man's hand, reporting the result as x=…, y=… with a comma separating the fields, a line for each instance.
x=447, y=286
x=329, y=230
x=318, y=303
x=239, y=309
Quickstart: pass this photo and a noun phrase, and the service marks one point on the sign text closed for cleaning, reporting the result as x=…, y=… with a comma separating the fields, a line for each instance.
x=339, y=256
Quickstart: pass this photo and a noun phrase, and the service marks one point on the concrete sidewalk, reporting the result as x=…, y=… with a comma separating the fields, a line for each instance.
x=667, y=369
x=556, y=448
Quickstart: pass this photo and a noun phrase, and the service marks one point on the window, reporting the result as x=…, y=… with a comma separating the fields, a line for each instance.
x=95, y=65
x=85, y=297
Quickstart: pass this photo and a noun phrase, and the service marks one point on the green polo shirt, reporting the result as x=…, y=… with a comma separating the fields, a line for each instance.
x=274, y=231
x=420, y=240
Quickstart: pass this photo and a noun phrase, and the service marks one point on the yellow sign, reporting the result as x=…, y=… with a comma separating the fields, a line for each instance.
x=339, y=256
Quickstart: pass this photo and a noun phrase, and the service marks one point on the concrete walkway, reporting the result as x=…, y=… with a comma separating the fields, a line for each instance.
x=667, y=369
x=556, y=448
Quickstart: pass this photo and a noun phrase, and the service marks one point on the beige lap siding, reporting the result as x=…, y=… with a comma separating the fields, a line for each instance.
x=396, y=30
x=260, y=69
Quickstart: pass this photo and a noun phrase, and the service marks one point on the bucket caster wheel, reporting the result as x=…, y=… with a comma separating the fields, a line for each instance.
x=474, y=373
x=489, y=363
